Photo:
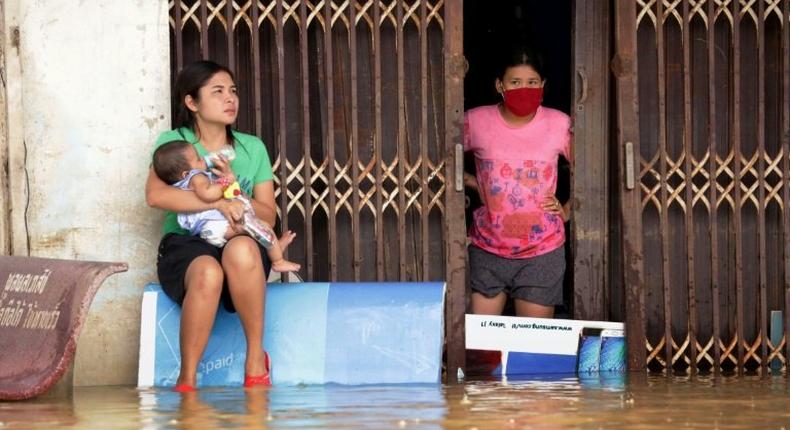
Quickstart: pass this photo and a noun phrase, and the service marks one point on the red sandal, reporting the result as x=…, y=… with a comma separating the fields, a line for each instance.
x=262, y=380
x=184, y=388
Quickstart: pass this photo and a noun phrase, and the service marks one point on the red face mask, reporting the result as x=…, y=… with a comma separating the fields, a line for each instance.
x=523, y=101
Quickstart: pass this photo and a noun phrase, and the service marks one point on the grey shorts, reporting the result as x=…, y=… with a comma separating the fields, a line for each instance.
x=537, y=279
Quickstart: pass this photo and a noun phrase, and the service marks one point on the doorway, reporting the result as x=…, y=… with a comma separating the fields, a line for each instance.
x=546, y=27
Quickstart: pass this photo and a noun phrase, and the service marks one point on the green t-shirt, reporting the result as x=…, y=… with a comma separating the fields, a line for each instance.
x=251, y=165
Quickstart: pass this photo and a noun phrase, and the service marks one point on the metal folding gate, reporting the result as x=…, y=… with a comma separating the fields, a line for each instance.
x=703, y=118
x=359, y=104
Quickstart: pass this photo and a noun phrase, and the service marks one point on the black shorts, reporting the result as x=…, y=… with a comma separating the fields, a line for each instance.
x=537, y=279
x=176, y=253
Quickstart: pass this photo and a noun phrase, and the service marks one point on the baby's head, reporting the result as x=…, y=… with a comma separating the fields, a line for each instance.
x=174, y=160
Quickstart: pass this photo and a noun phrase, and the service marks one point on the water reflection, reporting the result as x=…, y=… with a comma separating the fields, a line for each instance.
x=544, y=402
x=421, y=406
x=38, y=412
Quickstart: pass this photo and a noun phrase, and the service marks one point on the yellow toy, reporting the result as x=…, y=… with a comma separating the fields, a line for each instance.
x=232, y=191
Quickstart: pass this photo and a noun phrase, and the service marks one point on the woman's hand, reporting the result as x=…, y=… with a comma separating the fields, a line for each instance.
x=233, y=210
x=553, y=206
x=470, y=181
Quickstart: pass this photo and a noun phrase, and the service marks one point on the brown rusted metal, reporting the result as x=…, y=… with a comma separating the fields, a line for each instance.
x=43, y=305
x=736, y=149
x=356, y=250
x=231, y=48
x=761, y=207
x=282, y=149
x=624, y=66
x=204, y=51
x=454, y=233
x=378, y=147
x=304, y=68
x=401, y=141
x=713, y=189
x=688, y=169
x=177, y=28
x=747, y=173
x=425, y=159
x=590, y=164
x=786, y=169
x=256, y=68
x=330, y=139
x=664, y=209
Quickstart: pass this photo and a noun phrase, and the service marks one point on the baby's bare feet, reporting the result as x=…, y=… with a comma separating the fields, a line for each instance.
x=285, y=266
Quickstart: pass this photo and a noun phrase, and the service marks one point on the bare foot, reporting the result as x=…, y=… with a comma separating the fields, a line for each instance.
x=286, y=239
x=285, y=266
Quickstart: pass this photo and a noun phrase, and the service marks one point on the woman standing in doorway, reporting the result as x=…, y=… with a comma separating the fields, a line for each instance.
x=193, y=272
x=517, y=235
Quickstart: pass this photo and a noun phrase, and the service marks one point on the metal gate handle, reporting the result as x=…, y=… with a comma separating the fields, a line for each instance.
x=629, y=165
x=583, y=80
x=459, y=167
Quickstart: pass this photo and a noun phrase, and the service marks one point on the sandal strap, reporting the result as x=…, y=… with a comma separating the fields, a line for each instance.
x=184, y=388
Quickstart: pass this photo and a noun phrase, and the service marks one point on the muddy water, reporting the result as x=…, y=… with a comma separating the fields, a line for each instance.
x=610, y=402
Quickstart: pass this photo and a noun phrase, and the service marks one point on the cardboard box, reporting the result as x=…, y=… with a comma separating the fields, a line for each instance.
x=500, y=345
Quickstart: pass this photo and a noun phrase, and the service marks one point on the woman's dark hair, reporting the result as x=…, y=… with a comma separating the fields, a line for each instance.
x=521, y=56
x=188, y=83
x=170, y=161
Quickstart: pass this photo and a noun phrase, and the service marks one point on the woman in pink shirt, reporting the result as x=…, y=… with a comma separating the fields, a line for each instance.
x=517, y=235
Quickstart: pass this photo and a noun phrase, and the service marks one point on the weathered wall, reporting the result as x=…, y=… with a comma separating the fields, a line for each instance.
x=88, y=93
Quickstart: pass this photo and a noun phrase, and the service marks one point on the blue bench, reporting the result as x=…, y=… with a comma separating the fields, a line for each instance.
x=316, y=333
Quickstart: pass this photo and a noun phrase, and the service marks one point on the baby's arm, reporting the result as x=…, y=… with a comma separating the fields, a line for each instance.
x=205, y=189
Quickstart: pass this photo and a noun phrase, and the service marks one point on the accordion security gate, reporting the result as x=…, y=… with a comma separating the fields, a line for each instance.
x=359, y=104
x=703, y=102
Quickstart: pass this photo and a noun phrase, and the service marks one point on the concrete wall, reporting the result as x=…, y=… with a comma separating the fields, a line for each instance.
x=87, y=84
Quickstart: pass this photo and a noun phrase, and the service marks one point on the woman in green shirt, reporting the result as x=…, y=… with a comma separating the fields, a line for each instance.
x=193, y=272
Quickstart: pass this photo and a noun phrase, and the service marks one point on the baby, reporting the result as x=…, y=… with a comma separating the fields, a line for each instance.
x=178, y=164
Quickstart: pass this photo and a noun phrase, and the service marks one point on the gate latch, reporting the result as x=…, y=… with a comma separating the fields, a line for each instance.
x=629, y=165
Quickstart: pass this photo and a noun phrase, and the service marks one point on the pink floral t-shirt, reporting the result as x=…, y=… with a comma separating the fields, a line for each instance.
x=516, y=169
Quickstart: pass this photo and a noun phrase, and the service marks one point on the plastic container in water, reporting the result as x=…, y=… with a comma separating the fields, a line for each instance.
x=227, y=152
x=588, y=356
x=613, y=351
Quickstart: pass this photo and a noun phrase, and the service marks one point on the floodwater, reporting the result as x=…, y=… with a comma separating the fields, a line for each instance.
x=600, y=401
